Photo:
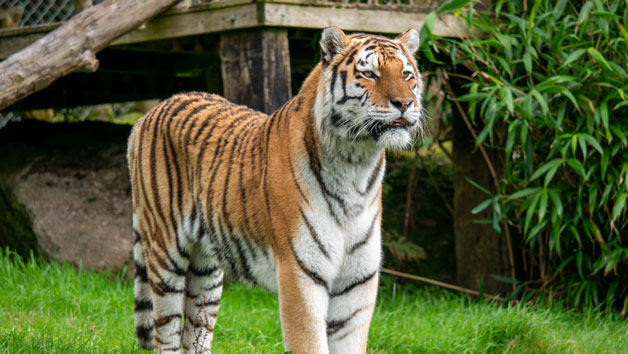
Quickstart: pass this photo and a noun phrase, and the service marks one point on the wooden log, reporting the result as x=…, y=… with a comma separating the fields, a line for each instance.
x=72, y=46
x=256, y=68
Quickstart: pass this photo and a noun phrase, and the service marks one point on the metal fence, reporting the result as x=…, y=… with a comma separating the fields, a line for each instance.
x=38, y=12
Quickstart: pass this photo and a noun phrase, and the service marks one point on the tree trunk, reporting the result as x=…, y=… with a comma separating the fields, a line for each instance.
x=480, y=252
x=256, y=68
x=72, y=46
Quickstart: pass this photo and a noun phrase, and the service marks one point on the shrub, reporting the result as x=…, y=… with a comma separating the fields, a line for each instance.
x=548, y=91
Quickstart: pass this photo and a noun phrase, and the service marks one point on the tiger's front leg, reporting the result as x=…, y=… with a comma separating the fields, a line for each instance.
x=303, y=303
x=349, y=315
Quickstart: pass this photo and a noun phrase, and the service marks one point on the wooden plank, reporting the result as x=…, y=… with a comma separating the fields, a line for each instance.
x=195, y=23
x=358, y=19
x=194, y=18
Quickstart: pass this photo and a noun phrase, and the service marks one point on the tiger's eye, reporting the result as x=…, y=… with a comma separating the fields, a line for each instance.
x=407, y=75
x=369, y=74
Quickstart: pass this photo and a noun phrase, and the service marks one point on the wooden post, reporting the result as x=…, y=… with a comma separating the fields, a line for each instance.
x=480, y=252
x=256, y=68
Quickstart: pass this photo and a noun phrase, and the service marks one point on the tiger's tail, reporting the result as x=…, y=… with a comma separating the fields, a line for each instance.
x=144, y=322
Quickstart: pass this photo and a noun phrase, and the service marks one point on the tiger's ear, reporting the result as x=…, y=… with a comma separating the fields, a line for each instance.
x=410, y=40
x=333, y=41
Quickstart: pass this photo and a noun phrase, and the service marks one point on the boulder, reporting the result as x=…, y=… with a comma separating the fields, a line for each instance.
x=72, y=178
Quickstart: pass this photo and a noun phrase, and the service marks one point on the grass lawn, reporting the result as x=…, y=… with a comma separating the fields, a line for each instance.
x=46, y=308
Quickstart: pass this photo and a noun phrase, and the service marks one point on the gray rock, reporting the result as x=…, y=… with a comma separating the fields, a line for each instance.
x=73, y=180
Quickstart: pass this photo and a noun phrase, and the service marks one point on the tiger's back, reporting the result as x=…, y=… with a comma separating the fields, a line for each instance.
x=290, y=202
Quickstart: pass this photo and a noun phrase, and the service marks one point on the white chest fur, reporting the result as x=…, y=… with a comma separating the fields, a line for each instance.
x=339, y=237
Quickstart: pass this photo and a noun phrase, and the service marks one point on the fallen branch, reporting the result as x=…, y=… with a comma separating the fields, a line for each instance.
x=440, y=283
x=73, y=46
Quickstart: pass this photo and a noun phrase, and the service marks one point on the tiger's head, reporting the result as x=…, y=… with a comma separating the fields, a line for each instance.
x=370, y=89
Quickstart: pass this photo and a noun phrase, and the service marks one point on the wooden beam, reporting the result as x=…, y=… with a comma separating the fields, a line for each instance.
x=374, y=20
x=243, y=15
x=229, y=15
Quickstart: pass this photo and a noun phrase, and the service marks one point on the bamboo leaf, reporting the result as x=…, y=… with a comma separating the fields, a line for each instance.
x=543, y=169
x=524, y=193
x=595, y=54
x=452, y=5
x=584, y=12
x=576, y=166
x=573, y=56
x=591, y=140
x=543, y=205
x=619, y=206
x=479, y=187
x=480, y=207
x=506, y=96
x=527, y=62
x=540, y=100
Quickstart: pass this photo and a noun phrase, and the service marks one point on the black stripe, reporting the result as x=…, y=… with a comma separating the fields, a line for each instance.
x=144, y=332
x=162, y=321
x=242, y=151
x=162, y=288
x=367, y=237
x=236, y=142
x=140, y=271
x=203, y=272
x=296, y=181
x=334, y=326
x=315, y=167
x=373, y=177
x=354, y=284
x=224, y=254
x=310, y=273
x=314, y=235
x=214, y=286
x=215, y=302
x=176, y=268
x=153, y=168
x=141, y=305
x=246, y=269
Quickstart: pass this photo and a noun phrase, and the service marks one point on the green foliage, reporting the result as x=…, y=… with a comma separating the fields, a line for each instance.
x=16, y=231
x=51, y=308
x=425, y=245
x=548, y=91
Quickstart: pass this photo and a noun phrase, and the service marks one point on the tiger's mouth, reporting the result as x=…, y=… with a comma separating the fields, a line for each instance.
x=381, y=128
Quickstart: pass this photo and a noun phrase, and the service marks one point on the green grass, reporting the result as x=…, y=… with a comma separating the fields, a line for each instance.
x=47, y=308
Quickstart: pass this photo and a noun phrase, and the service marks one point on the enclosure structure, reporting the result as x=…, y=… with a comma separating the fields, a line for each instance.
x=254, y=53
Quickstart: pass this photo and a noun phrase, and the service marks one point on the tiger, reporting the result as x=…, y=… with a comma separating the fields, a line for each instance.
x=291, y=202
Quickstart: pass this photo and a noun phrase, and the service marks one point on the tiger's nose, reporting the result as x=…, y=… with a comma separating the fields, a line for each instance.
x=401, y=104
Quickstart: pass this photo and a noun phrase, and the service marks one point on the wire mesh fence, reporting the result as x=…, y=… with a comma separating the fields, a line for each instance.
x=38, y=12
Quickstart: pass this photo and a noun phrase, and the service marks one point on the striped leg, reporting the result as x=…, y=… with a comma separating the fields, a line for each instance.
x=168, y=285
x=349, y=316
x=203, y=289
x=144, y=331
x=303, y=302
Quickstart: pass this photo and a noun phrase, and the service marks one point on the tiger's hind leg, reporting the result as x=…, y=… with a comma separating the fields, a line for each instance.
x=143, y=299
x=166, y=274
x=203, y=289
